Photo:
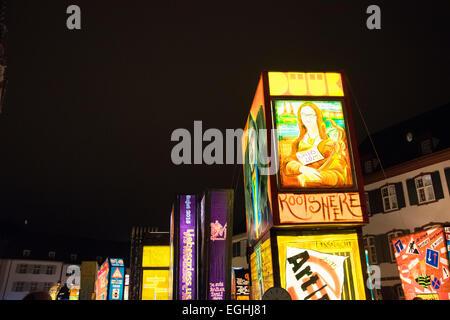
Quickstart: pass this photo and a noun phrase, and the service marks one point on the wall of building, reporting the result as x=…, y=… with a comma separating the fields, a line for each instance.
x=240, y=260
x=21, y=277
x=408, y=219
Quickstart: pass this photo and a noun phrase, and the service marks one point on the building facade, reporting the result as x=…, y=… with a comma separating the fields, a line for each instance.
x=240, y=259
x=20, y=277
x=409, y=197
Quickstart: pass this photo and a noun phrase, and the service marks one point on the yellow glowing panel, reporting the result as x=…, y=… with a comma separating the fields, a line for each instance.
x=254, y=284
x=267, y=267
x=339, y=246
x=297, y=83
x=261, y=270
x=156, y=256
x=334, y=83
x=305, y=84
x=155, y=285
x=317, y=84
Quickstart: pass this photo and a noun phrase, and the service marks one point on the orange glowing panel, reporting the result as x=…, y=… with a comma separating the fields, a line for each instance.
x=320, y=208
x=305, y=84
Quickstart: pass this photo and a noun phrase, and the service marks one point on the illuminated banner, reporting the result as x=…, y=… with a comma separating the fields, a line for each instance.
x=187, y=266
x=116, y=279
x=320, y=208
x=261, y=268
x=101, y=288
x=155, y=285
x=256, y=185
x=423, y=264
x=321, y=266
x=305, y=84
x=299, y=150
x=242, y=284
x=218, y=217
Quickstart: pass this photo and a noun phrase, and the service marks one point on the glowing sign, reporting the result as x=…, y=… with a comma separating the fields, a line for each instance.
x=156, y=256
x=318, y=266
x=256, y=185
x=101, y=288
x=116, y=281
x=155, y=285
x=326, y=273
x=219, y=211
x=312, y=145
x=320, y=208
x=423, y=264
x=187, y=275
x=74, y=293
x=241, y=284
x=261, y=269
x=305, y=84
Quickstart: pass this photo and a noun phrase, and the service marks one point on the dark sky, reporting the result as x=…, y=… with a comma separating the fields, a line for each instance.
x=85, y=129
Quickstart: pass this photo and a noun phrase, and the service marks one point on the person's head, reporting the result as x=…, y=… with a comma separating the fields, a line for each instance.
x=42, y=295
x=309, y=118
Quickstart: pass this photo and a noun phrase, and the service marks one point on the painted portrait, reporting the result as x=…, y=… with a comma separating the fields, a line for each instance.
x=312, y=145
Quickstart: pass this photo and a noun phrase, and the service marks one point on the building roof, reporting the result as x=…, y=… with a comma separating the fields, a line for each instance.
x=393, y=146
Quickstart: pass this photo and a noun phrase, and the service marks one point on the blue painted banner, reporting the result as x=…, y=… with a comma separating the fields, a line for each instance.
x=116, y=279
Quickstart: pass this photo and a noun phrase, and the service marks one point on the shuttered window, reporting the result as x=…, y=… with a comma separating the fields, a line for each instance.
x=370, y=246
x=425, y=188
x=389, y=196
x=386, y=199
x=447, y=177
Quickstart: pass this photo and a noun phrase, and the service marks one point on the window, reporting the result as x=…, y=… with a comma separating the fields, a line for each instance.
x=389, y=196
x=391, y=236
x=424, y=188
x=51, y=254
x=368, y=204
x=368, y=166
x=21, y=268
x=36, y=269
x=26, y=253
x=18, y=286
x=236, y=249
x=369, y=245
x=51, y=270
x=426, y=146
x=33, y=287
x=243, y=248
x=73, y=257
x=47, y=286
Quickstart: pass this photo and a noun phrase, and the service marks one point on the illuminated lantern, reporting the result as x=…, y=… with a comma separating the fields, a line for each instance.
x=304, y=194
x=423, y=263
x=200, y=241
x=184, y=244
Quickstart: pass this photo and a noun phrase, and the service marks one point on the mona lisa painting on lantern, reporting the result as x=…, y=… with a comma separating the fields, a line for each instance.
x=312, y=145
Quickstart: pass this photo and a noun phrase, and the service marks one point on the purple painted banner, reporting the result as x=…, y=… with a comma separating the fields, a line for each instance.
x=217, y=245
x=187, y=274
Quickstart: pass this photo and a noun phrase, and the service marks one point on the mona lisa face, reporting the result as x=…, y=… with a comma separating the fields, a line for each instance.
x=309, y=117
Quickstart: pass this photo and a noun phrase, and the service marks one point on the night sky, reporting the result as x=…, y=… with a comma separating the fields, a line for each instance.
x=86, y=125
